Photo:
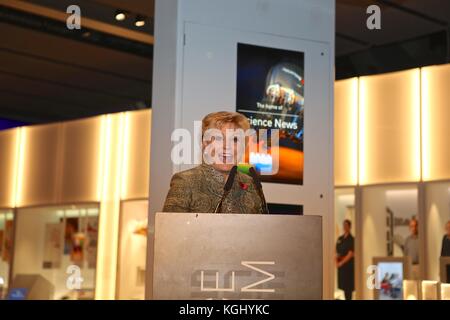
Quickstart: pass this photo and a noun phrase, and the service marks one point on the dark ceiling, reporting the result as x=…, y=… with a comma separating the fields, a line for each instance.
x=413, y=33
x=49, y=74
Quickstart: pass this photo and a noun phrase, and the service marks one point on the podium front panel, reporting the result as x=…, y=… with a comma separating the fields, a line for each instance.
x=237, y=256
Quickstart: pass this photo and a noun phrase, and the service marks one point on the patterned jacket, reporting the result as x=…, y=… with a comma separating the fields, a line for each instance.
x=199, y=190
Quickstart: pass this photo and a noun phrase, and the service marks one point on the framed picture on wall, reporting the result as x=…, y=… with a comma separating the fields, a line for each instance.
x=389, y=275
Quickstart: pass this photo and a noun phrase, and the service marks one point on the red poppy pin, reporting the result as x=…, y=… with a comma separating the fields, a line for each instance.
x=244, y=186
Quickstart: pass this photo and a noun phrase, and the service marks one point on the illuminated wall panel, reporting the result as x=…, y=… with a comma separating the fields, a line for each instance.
x=136, y=162
x=123, y=174
x=112, y=142
x=389, y=127
x=346, y=132
x=80, y=160
x=435, y=122
x=8, y=166
x=39, y=165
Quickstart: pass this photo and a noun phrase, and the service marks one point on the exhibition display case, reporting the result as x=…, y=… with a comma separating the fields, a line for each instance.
x=391, y=148
x=437, y=216
x=411, y=290
x=430, y=290
x=70, y=178
x=445, y=291
x=58, y=243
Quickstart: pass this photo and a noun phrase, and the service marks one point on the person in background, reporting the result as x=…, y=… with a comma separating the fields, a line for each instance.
x=411, y=246
x=345, y=261
x=445, y=250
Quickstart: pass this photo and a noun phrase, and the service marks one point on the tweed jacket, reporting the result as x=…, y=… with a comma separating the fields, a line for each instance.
x=199, y=190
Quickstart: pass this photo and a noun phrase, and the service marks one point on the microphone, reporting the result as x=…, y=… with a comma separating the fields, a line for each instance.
x=227, y=188
x=258, y=186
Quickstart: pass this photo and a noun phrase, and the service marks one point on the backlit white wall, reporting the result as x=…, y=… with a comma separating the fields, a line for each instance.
x=195, y=74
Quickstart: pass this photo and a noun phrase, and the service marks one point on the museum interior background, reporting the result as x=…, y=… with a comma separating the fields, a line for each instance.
x=74, y=177
x=92, y=174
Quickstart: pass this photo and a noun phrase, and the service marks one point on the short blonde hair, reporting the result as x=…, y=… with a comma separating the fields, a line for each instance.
x=217, y=119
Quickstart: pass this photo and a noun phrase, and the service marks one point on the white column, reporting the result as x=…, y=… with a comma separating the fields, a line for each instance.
x=195, y=47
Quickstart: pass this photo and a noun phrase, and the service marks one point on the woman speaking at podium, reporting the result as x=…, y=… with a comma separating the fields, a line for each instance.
x=216, y=186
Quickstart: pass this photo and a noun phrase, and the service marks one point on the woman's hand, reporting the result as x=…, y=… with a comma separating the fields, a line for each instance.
x=337, y=260
x=345, y=259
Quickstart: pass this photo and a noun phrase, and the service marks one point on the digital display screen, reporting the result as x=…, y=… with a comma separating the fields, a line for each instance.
x=270, y=93
x=390, y=280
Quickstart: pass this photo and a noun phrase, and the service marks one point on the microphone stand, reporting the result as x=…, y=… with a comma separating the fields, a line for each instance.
x=258, y=186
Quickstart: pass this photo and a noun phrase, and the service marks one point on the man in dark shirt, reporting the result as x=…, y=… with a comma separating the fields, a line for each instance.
x=345, y=261
x=445, y=251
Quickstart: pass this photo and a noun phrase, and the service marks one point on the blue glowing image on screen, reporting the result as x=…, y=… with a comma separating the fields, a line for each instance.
x=261, y=161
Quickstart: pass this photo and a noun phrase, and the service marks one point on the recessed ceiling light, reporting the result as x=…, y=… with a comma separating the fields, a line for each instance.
x=120, y=15
x=140, y=21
